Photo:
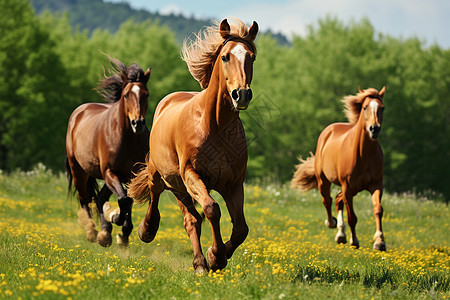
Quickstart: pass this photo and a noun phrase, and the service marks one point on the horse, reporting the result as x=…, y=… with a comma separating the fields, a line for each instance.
x=349, y=155
x=198, y=144
x=105, y=141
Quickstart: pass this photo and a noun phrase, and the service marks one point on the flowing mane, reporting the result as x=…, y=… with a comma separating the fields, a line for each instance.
x=111, y=86
x=353, y=103
x=201, y=53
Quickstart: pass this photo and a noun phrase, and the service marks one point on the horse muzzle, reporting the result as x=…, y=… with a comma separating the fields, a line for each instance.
x=241, y=98
x=138, y=125
x=374, y=131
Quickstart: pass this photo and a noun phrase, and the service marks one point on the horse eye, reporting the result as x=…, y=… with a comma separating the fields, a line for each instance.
x=126, y=96
x=253, y=58
x=225, y=58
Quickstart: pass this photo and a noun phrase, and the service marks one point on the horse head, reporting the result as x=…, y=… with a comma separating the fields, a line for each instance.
x=237, y=56
x=373, y=113
x=135, y=99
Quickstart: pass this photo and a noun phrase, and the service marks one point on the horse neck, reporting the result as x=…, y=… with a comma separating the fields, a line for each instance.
x=219, y=110
x=118, y=116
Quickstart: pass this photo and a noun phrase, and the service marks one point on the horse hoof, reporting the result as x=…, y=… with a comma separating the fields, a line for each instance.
x=91, y=236
x=104, y=238
x=216, y=262
x=340, y=239
x=144, y=234
x=122, y=240
x=109, y=213
x=201, y=270
x=200, y=265
x=379, y=246
x=333, y=224
x=354, y=243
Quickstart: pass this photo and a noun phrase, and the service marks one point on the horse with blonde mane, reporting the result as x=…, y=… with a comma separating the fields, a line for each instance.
x=197, y=142
x=349, y=155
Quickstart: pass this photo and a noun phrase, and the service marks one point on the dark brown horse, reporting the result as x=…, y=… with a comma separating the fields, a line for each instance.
x=105, y=141
x=197, y=142
x=349, y=155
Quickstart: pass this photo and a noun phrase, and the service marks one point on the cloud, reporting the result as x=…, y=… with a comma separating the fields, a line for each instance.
x=424, y=19
x=171, y=9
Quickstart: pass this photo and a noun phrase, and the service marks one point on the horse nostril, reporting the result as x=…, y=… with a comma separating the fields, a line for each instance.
x=235, y=95
x=249, y=94
x=375, y=129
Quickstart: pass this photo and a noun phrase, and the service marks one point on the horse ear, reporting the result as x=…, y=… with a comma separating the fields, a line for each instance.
x=360, y=90
x=147, y=75
x=253, y=31
x=381, y=93
x=225, y=29
x=126, y=89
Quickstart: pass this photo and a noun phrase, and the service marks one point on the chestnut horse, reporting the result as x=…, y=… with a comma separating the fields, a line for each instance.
x=349, y=155
x=105, y=141
x=197, y=142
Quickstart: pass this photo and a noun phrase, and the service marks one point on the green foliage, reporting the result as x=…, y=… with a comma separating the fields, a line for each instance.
x=49, y=68
x=95, y=14
x=301, y=87
x=32, y=82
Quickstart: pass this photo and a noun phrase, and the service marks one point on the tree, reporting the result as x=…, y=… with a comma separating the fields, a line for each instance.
x=31, y=71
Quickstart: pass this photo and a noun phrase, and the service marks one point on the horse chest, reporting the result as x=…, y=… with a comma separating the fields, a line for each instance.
x=222, y=157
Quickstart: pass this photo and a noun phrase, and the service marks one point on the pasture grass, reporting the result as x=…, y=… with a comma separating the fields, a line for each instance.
x=289, y=253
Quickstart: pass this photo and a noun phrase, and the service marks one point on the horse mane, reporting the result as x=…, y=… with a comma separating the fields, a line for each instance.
x=111, y=87
x=201, y=53
x=353, y=103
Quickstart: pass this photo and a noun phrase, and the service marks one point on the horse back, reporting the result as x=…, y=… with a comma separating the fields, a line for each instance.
x=173, y=101
x=95, y=141
x=340, y=158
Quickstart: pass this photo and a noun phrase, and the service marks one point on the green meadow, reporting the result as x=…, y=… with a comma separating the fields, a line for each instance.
x=289, y=253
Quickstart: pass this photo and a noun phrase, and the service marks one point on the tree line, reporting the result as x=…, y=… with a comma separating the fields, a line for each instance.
x=49, y=68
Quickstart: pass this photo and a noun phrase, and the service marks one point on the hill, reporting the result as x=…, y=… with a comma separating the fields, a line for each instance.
x=97, y=14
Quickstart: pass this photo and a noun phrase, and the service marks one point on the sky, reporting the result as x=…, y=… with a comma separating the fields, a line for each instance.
x=428, y=20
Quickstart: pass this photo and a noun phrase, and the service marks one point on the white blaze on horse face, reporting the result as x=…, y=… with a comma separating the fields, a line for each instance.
x=240, y=52
x=136, y=90
x=373, y=113
x=374, y=106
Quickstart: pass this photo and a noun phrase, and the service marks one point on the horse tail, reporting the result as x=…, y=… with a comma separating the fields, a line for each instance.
x=304, y=176
x=138, y=188
x=69, y=175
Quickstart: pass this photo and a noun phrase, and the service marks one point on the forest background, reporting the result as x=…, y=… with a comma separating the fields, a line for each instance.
x=51, y=61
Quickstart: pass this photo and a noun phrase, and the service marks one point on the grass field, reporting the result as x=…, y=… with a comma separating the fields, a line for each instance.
x=289, y=253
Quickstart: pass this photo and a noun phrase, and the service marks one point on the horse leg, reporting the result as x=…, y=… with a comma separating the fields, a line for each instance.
x=379, y=243
x=150, y=224
x=127, y=228
x=340, y=237
x=118, y=215
x=324, y=188
x=104, y=236
x=193, y=225
x=80, y=180
x=352, y=219
x=235, y=204
x=217, y=252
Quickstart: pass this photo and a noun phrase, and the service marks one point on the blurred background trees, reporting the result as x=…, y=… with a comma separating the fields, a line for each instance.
x=49, y=66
